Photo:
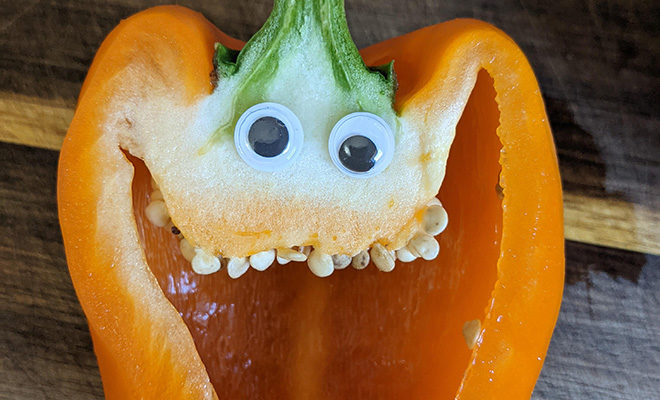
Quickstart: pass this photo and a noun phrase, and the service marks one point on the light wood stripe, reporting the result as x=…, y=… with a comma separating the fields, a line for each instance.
x=34, y=121
x=612, y=223
x=600, y=221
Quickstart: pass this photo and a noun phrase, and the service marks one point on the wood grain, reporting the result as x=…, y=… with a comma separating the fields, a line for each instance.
x=45, y=349
x=605, y=345
x=612, y=223
x=34, y=121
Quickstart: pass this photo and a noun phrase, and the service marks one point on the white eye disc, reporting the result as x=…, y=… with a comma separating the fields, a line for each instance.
x=268, y=136
x=361, y=145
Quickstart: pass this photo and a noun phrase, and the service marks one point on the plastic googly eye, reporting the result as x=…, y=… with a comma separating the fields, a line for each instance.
x=361, y=145
x=268, y=136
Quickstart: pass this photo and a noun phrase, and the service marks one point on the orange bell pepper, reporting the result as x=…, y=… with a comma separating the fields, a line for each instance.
x=162, y=331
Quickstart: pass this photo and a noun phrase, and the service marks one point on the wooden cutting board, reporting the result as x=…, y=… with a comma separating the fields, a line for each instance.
x=597, y=64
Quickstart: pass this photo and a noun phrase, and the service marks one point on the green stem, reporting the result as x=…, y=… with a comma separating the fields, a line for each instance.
x=257, y=64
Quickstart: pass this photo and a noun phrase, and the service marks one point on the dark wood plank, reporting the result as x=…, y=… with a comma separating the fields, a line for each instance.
x=45, y=349
x=606, y=344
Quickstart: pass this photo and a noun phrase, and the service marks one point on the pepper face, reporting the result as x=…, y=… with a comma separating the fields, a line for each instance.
x=293, y=144
x=303, y=73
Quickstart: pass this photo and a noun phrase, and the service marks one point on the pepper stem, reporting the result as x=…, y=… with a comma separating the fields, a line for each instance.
x=291, y=23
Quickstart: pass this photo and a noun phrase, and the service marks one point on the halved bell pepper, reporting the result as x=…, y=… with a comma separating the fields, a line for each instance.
x=152, y=156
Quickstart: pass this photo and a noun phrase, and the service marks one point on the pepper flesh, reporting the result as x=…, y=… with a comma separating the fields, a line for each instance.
x=512, y=283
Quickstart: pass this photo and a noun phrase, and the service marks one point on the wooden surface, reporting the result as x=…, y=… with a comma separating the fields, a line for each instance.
x=597, y=63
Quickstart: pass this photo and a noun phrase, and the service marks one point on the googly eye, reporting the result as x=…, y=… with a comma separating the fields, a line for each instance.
x=268, y=136
x=361, y=145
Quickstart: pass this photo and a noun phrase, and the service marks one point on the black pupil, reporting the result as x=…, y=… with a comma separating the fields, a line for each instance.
x=358, y=153
x=268, y=136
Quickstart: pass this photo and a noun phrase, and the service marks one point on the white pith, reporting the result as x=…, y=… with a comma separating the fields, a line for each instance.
x=216, y=199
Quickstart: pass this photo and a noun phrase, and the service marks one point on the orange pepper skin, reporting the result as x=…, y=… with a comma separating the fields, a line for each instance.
x=143, y=347
x=525, y=301
x=135, y=358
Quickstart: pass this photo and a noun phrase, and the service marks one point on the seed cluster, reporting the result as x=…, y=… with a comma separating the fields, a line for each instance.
x=421, y=245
